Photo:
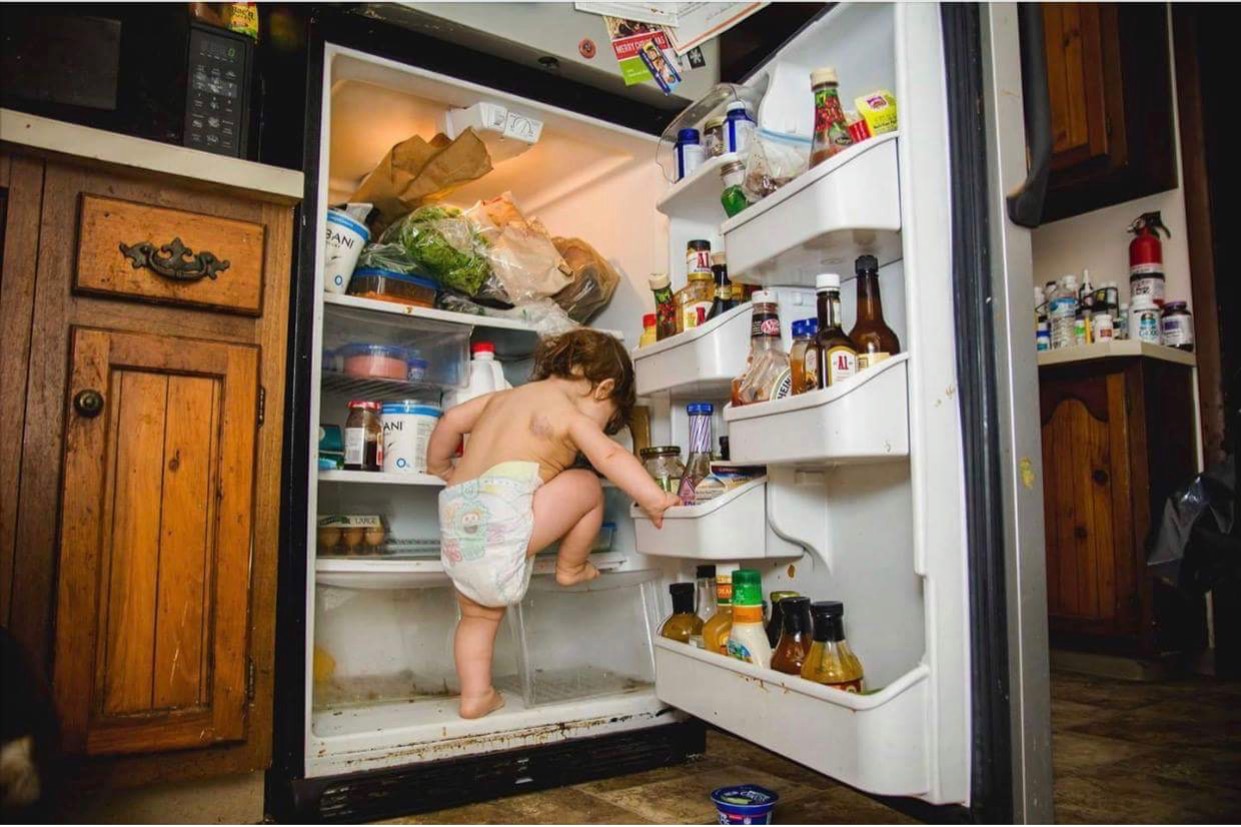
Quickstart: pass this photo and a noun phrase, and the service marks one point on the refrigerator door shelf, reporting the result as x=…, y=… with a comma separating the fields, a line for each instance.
x=380, y=573
x=697, y=196
x=733, y=526
x=877, y=743
x=863, y=419
x=821, y=221
x=699, y=363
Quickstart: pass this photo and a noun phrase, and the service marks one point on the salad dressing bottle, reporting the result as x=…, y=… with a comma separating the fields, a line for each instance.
x=683, y=623
x=715, y=630
x=747, y=640
x=794, y=645
x=831, y=662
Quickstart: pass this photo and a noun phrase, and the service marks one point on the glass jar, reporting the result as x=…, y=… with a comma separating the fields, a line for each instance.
x=663, y=463
x=363, y=437
x=694, y=300
x=713, y=137
x=733, y=197
x=1176, y=326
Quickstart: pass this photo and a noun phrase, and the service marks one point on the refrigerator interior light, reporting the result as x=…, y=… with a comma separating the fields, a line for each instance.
x=506, y=133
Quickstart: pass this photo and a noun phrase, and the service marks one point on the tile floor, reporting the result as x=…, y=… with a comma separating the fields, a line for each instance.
x=1123, y=752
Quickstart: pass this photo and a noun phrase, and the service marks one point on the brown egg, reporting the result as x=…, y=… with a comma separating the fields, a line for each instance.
x=375, y=536
x=353, y=536
x=329, y=536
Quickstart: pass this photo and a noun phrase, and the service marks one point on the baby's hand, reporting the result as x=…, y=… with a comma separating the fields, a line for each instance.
x=655, y=510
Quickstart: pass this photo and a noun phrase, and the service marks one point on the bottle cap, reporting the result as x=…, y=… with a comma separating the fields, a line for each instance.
x=866, y=264
x=648, y=320
x=712, y=123
x=658, y=281
x=689, y=135
x=698, y=244
x=825, y=75
x=705, y=571
x=747, y=587
x=793, y=612
x=827, y=608
x=799, y=328
x=763, y=297
x=482, y=347
x=682, y=597
x=823, y=280
x=736, y=106
x=699, y=408
x=365, y=404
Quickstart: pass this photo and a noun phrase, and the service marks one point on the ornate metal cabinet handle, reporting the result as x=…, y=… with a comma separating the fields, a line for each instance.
x=178, y=262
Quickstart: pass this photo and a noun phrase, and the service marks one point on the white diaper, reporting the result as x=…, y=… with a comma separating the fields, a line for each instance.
x=485, y=527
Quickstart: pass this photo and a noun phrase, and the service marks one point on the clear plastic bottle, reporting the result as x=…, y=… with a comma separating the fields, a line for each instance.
x=767, y=376
x=715, y=630
x=698, y=465
x=804, y=357
x=1062, y=312
x=704, y=603
x=831, y=662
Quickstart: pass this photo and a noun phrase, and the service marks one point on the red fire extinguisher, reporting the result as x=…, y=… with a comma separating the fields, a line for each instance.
x=1145, y=251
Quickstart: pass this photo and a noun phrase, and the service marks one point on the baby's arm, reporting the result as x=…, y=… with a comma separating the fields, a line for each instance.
x=621, y=467
x=454, y=424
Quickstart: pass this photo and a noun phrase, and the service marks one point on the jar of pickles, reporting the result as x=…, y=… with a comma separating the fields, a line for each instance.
x=663, y=463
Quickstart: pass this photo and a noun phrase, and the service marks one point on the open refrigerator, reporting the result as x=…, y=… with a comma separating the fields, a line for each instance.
x=895, y=492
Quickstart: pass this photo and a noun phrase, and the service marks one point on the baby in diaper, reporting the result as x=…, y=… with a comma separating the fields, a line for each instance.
x=510, y=497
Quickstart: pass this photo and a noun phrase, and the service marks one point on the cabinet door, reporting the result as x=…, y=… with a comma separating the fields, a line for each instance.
x=1078, y=85
x=151, y=642
x=1091, y=585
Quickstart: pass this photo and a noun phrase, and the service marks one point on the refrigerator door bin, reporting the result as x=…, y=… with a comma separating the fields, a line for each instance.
x=588, y=640
x=877, y=742
x=863, y=419
x=697, y=196
x=359, y=572
x=733, y=526
x=822, y=220
x=700, y=362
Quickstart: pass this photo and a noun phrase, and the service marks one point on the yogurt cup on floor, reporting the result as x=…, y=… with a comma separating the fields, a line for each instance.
x=744, y=804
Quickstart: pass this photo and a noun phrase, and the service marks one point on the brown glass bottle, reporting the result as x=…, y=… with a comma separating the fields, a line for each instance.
x=871, y=335
x=794, y=644
x=837, y=352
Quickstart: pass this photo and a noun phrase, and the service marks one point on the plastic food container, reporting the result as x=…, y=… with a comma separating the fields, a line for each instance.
x=417, y=369
x=375, y=361
x=407, y=429
x=389, y=285
x=343, y=242
x=745, y=804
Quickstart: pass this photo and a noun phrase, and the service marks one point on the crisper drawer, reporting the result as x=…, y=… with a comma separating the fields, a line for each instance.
x=169, y=256
x=733, y=526
x=697, y=363
x=876, y=742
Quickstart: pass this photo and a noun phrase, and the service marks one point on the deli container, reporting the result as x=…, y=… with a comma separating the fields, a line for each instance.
x=392, y=286
x=373, y=361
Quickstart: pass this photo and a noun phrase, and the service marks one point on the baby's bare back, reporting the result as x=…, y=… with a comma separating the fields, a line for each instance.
x=529, y=424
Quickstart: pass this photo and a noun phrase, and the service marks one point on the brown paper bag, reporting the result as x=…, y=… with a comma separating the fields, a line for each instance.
x=416, y=170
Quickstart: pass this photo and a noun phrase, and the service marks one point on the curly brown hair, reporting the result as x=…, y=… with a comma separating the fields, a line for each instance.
x=593, y=356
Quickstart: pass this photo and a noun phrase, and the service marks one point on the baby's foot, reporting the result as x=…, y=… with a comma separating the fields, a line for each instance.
x=569, y=575
x=479, y=705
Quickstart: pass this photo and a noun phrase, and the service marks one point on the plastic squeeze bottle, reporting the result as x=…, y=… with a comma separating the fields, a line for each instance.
x=683, y=624
x=747, y=640
x=715, y=630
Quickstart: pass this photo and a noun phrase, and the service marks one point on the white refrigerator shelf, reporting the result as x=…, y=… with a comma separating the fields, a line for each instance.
x=821, y=221
x=413, y=573
x=875, y=742
x=697, y=195
x=698, y=363
x=378, y=478
x=733, y=526
x=863, y=419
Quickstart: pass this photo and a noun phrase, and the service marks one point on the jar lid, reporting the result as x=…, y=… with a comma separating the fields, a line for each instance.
x=364, y=404
x=731, y=167
x=395, y=275
x=657, y=450
x=713, y=123
x=413, y=407
x=699, y=408
x=698, y=244
x=825, y=75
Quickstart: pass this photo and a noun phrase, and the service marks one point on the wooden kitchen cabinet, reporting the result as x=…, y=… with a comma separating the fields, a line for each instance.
x=141, y=473
x=1118, y=439
x=1110, y=88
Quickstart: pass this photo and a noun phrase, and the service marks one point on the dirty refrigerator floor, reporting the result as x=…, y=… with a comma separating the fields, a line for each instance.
x=1123, y=752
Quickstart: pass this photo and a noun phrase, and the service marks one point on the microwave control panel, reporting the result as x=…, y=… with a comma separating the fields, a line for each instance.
x=216, y=107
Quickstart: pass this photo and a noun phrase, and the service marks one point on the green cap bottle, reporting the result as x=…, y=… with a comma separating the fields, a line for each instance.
x=747, y=587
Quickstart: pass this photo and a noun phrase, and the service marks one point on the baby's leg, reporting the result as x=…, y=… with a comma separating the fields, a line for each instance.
x=569, y=508
x=473, y=646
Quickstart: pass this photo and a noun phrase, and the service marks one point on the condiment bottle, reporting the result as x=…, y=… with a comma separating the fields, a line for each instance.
x=689, y=152
x=723, y=301
x=694, y=299
x=363, y=437
x=649, y=334
x=837, y=353
x=804, y=357
x=683, y=623
x=767, y=373
x=665, y=306
x=715, y=630
x=747, y=639
x=732, y=198
x=704, y=601
x=738, y=127
x=777, y=612
x=698, y=465
x=795, y=642
x=831, y=662
x=831, y=132
x=875, y=341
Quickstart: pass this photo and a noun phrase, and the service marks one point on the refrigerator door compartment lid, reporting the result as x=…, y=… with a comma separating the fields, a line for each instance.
x=700, y=362
x=733, y=526
x=863, y=419
x=821, y=221
x=876, y=742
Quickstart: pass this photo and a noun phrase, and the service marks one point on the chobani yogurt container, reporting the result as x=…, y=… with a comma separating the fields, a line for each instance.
x=407, y=428
x=744, y=804
x=343, y=241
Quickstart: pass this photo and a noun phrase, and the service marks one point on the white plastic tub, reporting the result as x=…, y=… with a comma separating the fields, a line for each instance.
x=701, y=362
x=822, y=220
x=863, y=419
x=733, y=526
x=876, y=743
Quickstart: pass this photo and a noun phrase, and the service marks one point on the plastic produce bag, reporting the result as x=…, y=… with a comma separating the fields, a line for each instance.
x=1197, y=544
x=594, y=280
x=445, y=244
x=775, y=158
x=520, y=251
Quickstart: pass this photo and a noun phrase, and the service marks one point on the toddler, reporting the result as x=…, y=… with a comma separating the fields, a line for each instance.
x=510, y=497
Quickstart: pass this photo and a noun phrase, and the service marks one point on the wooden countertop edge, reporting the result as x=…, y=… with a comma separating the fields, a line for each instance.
x=270, y=183
x=1112, y=350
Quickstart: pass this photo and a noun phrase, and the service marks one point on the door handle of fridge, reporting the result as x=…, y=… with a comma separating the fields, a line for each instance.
x=1025, y=204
